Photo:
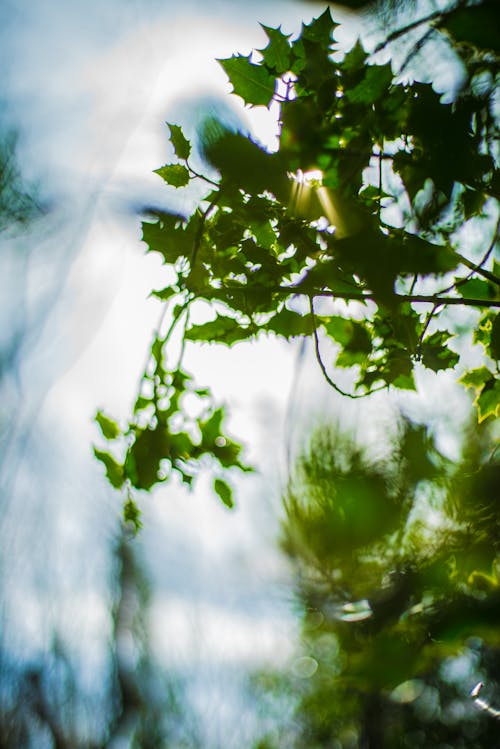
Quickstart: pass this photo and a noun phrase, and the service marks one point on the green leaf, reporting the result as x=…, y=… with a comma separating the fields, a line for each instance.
x=476, y=288
x=109, y=428
x=221, y=330
x=338, y=328
x=495, y=338
x=352, y=336
x=252, y=82
x=277, y=54
x=114, y=471
x=320, y=29
x=244, y=164
x=174, y=174
x=211, y=429
x=289, y=324
x=375, y=84
x=182, y=147
x=225, y=492
x=355, y=59
x=476, y=378
x=435, y=353
x=171, y=236
x=144, y=456
x=165, y=293
x=488, y=400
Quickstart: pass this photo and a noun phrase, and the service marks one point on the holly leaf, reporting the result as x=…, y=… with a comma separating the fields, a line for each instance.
x=164, y=294
x=211, y=429
x=495, y=338
x=476, y=288
x=114, y=471
x=243, y=163
x=109, y=428
x=289, y=324
x=487, y=389
x=175, y=175
x=320, y=29
x=170, y=236
x=252, y=82
x=476, y=378
x=277, y=54
x=488, y=400
x=375, y=84
x=435, y=353
x=221, y=330
x=225, y=492
x=182, y=146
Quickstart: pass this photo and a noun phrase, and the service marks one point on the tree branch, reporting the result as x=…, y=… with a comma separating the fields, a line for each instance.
x=416, y=298
x=397, y=33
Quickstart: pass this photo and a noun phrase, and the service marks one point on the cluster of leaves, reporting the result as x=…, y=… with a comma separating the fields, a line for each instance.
x=349, y=232
x=388, y=596
x=164, y=437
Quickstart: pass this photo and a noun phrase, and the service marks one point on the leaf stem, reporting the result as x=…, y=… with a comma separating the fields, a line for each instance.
x=199, y=233
x=194, y=173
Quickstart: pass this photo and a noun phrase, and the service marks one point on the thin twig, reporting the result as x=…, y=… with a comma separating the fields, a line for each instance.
x=428, y=319
x=367, y=296
x=477, y=267
x=416, y=49
x=327, y=377
x=380, y=184
x=199, y=233
x=183, y=342
x=194, y=173
x=397, y=33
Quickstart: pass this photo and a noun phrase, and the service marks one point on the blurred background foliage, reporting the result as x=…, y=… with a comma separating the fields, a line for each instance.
x=397, y=570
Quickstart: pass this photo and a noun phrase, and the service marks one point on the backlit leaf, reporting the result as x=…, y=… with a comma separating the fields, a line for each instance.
x=109, y=428
x=277, y=54
x=252, y=82
x=495, y=338
x=182, y=147
x=114, y=471
x=174, y=174
x=320, y=29
x=171, y=236
x=221, y=330
x=289, y=324
x=435, y=353
x=224, y=491
x=476, y=288
x=488, y=400
x=476, y=378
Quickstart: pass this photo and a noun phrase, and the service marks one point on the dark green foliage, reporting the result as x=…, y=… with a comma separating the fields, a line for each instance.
x=396, y=564
x=374, y=186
